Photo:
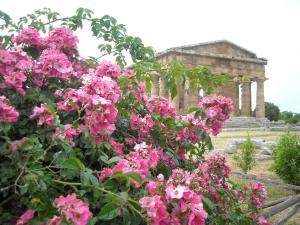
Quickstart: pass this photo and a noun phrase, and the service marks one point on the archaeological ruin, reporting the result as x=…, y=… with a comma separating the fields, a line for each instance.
x=221, y=57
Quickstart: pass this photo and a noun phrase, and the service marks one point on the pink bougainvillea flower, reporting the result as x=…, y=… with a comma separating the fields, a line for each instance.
x=29, y=36
x=14, y=64
x=43, y=114
x=140, y=161
x=62, y=38
x=17, y=144
x=156, y=210
x=161, y=106
x=54, y=63
x=56, y=220
x=263, y=221
x=8, y=114
x=73, y=209
x=108, y=69
x=25, y=217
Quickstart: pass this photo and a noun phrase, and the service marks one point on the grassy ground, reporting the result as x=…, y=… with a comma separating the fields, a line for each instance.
x=262, y=169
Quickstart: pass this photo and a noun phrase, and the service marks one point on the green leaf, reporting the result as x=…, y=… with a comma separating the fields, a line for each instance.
x=136, y=177
x=109, y=212
x=193, y=109
x=73, y=164
x=104, y=158
x=209, y=204
x=113, y=160
x=94, y=180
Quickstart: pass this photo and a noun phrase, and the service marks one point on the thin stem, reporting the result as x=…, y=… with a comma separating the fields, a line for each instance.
x=6, y=188
x=45, y=152
x=21, y=173
x=98, y=188
x=6, y=200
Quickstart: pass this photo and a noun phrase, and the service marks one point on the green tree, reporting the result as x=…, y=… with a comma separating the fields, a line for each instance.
x=287, y=158
x=272, y=111
x=245, y=158
x=290, y=117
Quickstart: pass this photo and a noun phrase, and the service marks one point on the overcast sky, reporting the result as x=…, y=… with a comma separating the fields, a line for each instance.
x=271, y=29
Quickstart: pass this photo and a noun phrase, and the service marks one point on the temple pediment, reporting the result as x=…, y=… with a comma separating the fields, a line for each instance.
x=220, y=48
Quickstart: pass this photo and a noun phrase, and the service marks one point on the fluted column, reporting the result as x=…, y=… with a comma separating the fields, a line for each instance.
x=236, y=100
x=155, y=86
x=162, y=89
x=177, y=101
x=193, y=97
x=181, y=91
x=186, y=97
x=260, y=99
x=246, y=99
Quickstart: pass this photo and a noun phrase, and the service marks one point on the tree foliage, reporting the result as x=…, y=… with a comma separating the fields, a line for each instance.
x=272, y=111
x=290, y=117
x=245, y=158
x=287, y=158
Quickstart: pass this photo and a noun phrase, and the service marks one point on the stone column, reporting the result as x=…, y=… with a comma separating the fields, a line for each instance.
x=193, y=98
x=181, y=91
x=155, y=86
x=162, y=89
x=178, y=100
x=236, y=100
x=260, y=99
x=246, y=99
x=186, y=97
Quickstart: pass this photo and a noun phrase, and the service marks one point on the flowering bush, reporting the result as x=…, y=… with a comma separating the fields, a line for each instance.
x=82, y=143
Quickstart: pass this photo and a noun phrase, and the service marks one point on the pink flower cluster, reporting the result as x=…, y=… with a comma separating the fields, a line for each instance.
x=68, y=133
x=257, y=192
x=217, y=109
x=160, y=106
x=177, y=193
x=8, y=114
x=73, y=209
x=183, y=192
x=156, y=210
x=55, y=220
x=191, y=131
x=108, y=69
x=17, y=144
x=54, y=63
x=218, y=169
x=29, y=36
x=25, y=217
x=117, y=146
x=61, y=38
x=13, y=66
x=96, y=98
x=263, y=221
x=43, y=114
x=141, y=124
x=139, y=161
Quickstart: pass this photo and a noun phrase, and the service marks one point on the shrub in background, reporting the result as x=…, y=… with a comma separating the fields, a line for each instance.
x=272, y=111
x=245, y=157
x=290, y=117
x=287, y=158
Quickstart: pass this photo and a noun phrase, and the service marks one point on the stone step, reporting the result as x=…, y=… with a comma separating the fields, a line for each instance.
x=246, y=122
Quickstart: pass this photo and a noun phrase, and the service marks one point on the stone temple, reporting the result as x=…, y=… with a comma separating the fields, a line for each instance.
x=221, y=57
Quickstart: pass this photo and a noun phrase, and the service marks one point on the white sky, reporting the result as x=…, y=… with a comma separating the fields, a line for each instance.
x=270, y=28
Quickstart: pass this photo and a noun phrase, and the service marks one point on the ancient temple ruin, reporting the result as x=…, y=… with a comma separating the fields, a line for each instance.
x=221, y=57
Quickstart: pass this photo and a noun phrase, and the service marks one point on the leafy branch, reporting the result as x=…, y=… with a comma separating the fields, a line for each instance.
x=113, y=36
